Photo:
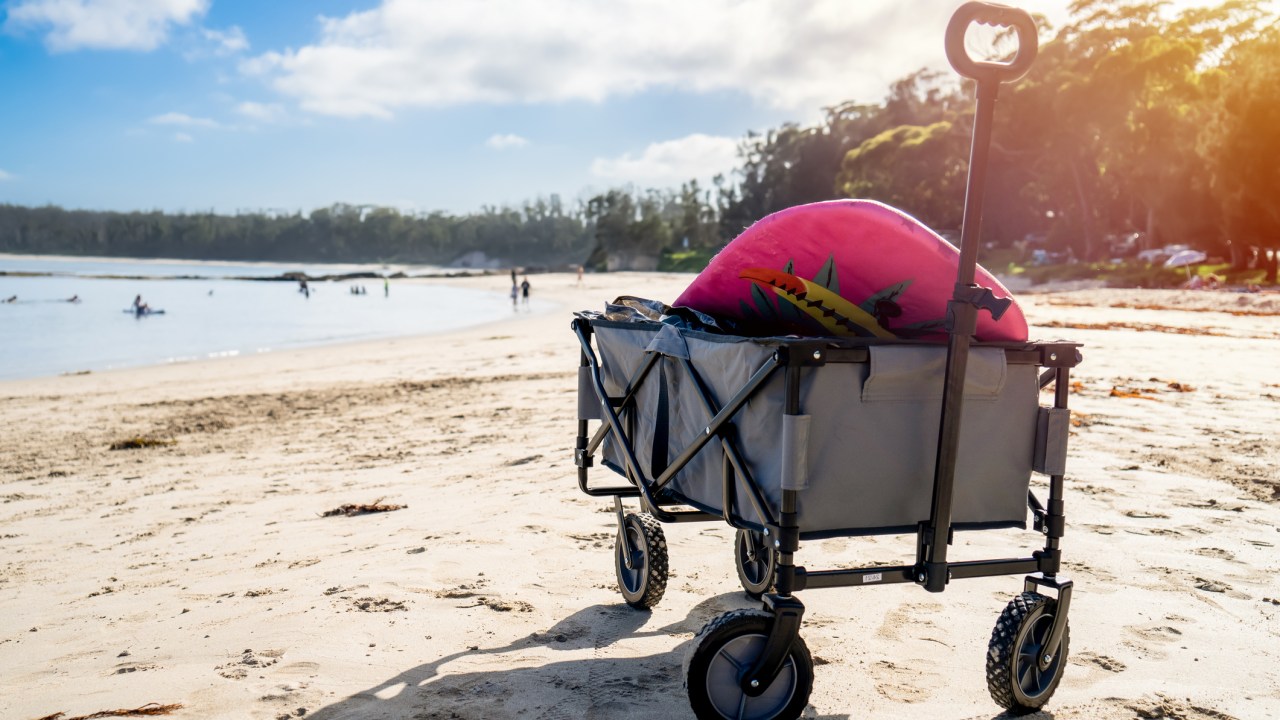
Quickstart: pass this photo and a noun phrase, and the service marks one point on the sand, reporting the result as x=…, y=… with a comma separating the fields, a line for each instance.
x=202, y=571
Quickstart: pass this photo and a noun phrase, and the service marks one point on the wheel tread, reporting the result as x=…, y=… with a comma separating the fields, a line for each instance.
x=656, y=560
x=709, y=634
x=1000, y=651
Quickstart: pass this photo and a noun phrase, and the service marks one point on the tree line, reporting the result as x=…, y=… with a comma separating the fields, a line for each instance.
x=1132, y=121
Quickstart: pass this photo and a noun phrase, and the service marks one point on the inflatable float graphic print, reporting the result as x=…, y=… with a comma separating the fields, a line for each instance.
x=876, y=272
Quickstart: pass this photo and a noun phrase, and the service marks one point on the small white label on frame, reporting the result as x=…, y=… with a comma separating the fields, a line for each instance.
x=872, y=577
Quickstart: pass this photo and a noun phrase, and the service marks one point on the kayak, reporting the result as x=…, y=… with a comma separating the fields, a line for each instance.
x=141, y=313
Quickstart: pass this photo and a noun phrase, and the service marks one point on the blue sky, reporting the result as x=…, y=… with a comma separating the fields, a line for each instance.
x=191, y=105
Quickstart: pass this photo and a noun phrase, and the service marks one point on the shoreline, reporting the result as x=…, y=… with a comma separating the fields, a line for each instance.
x=202, y=571
x=242, y=346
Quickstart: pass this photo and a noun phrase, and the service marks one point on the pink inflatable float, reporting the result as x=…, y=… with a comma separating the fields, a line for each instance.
x=845, y=268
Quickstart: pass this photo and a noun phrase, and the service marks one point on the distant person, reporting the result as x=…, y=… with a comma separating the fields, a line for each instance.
x=386, y=287
x=513, y=276
x=73, y=299
x=515, y=294
x=524, y=290
x=11, y=299
x=579, y=275
x=139, y=307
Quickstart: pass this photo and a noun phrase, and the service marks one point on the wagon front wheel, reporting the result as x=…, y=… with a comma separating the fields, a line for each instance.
x=757, y=563
x=726, y=648
x=1014, y=676
x=643, y=583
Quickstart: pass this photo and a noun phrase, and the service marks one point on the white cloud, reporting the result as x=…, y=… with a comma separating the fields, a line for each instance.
x=502, y=142
x=183, y=137
x=431, y=53
x=104, y=24
x=666, y=164
x=226, y=42
x=182, y=119
x=6, y=176
x=262, y=112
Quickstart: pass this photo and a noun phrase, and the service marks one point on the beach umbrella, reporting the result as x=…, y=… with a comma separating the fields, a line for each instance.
x=1185, y=259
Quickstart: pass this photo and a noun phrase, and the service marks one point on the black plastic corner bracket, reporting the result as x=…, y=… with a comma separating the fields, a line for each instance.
x=936, y=575
x=982, y=299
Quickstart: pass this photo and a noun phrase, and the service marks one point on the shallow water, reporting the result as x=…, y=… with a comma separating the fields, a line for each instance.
x=42, y=334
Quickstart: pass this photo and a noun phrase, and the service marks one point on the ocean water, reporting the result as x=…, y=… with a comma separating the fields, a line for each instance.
x=42, y=334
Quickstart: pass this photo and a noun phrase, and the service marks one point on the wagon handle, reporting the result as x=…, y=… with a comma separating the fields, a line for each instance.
x=991, y=14
x=968, y=298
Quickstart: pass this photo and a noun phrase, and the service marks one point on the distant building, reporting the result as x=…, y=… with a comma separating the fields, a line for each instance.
x=622, y=260
x=478, y=260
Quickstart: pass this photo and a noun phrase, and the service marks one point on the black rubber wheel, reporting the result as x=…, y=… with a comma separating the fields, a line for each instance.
x=643, y=584
x=756, y=560
x=1014, y=677
x=723, y=650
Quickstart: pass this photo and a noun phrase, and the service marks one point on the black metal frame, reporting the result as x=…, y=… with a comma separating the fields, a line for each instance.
x=932, y=570
x=793, y=358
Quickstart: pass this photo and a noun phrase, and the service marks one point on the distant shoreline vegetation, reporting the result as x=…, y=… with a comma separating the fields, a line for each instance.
x=281, y=277
x=1135, y=130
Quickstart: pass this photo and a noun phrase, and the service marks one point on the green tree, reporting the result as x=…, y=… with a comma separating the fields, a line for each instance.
x=1240, y=146
x=920, y=170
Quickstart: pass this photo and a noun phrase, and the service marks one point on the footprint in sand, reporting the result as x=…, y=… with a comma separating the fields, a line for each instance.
x=248, y=662
x=1094, y=660
x=901, y=684
x=1150, y=638
x=126, y=668
x=911, y=616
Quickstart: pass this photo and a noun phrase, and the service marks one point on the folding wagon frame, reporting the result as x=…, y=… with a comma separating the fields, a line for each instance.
x=765, y=550
x=753, y=663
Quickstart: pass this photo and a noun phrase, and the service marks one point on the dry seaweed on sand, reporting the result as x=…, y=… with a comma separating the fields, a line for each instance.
x=148, y=710
x=374, y=507
x=135, y=443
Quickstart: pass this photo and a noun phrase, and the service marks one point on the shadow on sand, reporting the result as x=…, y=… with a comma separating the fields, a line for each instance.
x=521, y=684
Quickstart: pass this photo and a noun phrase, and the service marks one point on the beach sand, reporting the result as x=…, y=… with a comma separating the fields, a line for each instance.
x=202, y=571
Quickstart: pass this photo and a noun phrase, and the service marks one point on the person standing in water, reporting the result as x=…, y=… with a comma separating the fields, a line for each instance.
x=386, y=287
x=524, y=290
x=515, y=294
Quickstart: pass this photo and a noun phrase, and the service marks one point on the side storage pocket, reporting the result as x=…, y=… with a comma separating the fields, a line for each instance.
x=1052, y=428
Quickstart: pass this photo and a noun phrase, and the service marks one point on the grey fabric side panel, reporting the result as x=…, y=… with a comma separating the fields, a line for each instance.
x=725, y=368
x=1053, y=426
x=871, y=464
x=621, y=355
x=795, y=452
x=915, y=373
x=669, y=342
x=588, y=402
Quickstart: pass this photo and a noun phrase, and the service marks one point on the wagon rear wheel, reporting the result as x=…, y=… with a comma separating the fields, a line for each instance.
x=642, y=584
x=1014, y=676
x=725, y=649
x=756, y=561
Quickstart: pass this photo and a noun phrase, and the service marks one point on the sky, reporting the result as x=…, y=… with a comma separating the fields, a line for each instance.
x=423, y=105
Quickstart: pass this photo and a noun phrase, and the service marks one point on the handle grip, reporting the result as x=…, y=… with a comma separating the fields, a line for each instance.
x=991, y=14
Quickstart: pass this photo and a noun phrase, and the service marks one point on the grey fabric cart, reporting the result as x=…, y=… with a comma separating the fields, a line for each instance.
x=795, y=438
